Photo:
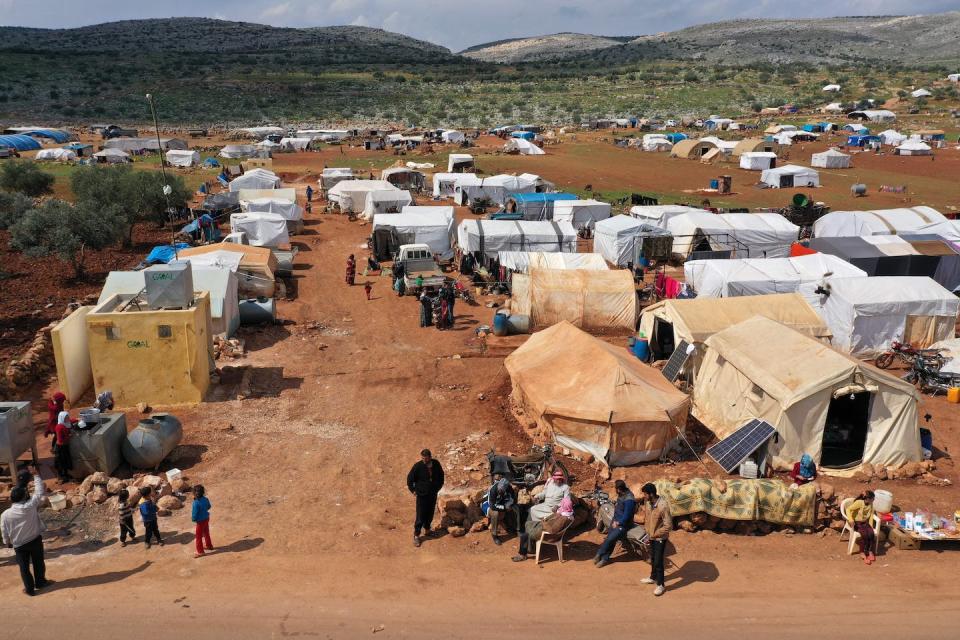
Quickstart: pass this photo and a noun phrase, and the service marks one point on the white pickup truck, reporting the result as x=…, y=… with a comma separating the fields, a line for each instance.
x=417, y=261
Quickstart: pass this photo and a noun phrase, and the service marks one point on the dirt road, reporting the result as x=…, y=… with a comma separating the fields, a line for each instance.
x=313, y=522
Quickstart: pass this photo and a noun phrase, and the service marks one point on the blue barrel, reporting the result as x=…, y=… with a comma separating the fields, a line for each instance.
x=500, y=323
x=641, y=349
x=926, y=439
x=714, y=184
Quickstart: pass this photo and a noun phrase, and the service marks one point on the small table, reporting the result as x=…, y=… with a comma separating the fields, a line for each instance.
x=912, y=540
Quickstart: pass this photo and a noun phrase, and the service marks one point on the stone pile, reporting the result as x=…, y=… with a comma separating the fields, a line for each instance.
x=227, y=347
x=98, y=488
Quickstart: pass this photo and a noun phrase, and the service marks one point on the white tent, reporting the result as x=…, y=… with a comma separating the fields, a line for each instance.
x=581, y=213
x=848, y=224
x=874, y=115
x=452, y=136
x=891, y=137
x=656, y=142
x=220, y=283
x=830, y=159
x=255, y=179
x=385, y=201
x=260, y=132
x=284, y=208
x=855, y=127
x=523, y=261
x=920, y=93
x=332, y=175
x=495, y=188
x=432, y=226
x=295, y=144
x=463, y=161
x=215, y=259
x=748, y=235
x=523, y=147
x=112, y=156
x=492, y=236
x=326, y=135
x=445, y=184
x=761, y=276
x=913, y=148
x=790, y=176
x=238, y=151
x=182, y=158
x=954, y=77
x=616, y=237
x=820, y=401
x=833, y=107
x=757, y=160
x=660, y=214
x=144, y=144
x=59, y=155
x=351, y=195
x=867, y=314
x=287, y=194
x=834, y=88
x=262, y=229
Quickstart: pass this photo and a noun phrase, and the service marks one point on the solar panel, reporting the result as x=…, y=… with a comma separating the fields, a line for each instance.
x=735, y=448
x=677, y=359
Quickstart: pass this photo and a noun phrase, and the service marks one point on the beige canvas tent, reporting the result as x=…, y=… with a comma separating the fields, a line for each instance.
x=595, y=397
x=692, y=148
x=588, y=299
x=822, y=402
x=667, y=322
x=256, y=273
x=755, y=145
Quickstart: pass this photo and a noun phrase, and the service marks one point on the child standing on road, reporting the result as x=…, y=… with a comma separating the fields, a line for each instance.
x=125, y=512
x=148, y=513
x=200, y=514
x=368, y=288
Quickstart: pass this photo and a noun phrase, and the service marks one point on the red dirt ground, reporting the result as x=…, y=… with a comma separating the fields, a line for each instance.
x=313, y=523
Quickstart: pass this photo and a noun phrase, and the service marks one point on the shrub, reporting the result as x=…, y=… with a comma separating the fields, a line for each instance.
x=12, y=208
x=25, y=177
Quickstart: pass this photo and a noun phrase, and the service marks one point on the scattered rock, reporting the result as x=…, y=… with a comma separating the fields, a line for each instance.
x=478, y=526
x=86, y=486
x=99, y=477
x=181, y=485
x=456, y=532
x=860, y=476
x=454, y=505
x=867, y=469
x=699, y=518
x=881, y=473
x=826, y=491
x=910, y=470
x=114, y=486
x=928, y=465
x=169, y=502
x=98, y=495
x=688, y=526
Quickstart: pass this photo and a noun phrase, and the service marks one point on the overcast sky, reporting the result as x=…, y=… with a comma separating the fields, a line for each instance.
x=458, y=24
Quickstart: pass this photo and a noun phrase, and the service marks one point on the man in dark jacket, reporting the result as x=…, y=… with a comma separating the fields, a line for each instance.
x=623, y=511
x=425, y=481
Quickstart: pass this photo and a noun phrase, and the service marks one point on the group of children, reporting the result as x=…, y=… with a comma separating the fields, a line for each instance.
x=200, y=514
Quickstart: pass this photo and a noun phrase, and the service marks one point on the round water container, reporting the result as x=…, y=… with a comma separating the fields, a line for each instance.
x=500, y=323
x=858, y=189
x=152, y=440
x=882, y=501
x=518, y=324
x=714, y=184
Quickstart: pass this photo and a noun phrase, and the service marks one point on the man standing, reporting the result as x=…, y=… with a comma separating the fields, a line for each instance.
x=309, y=193
x=623, y=511
x=658, y=523
x=425, y=481
x=21, y=528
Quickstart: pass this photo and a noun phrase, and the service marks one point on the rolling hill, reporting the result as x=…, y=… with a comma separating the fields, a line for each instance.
x=551, y=47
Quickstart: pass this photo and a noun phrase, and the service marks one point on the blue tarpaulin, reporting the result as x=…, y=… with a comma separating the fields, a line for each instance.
x=19, y=142
x=163, y=254
x=56, y=135
x=523, y=135
x=211, y=162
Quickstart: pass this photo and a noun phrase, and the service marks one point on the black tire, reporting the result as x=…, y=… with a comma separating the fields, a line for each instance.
x=884, y=360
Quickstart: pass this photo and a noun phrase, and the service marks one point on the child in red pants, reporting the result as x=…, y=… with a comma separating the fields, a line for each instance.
x=201, y=515
x=368, y=288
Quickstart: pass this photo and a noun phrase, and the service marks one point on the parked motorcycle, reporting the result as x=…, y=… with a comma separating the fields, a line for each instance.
x=531, y=469
x=928, y=377
x=636, y=539
x=906, y=354
x=463, y=293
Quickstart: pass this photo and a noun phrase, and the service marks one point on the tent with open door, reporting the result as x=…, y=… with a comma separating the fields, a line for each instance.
x=459, y=163
x=757, y=160
x=594, y=397
x=351, y=195
x=615, y=239
x=866, y=314
x=830, y=159
x=255, y=179
x=385, y=201
x=820, y=401
x=745, y=235
x=760, y=276
x=790, y=176
x=523, y=147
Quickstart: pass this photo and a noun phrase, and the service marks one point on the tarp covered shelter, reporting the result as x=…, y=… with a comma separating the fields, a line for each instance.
x=403, y=177
x=112, y=156
x=581, y=213
x=759, y=276
x=891, y=137
x=385, y=201
x=494, y=188
x=523, y=261
x=536, y=206
x=19, y=142
x=757, y=160
x=595, y=397
x=432, y=226
x=445, y=184
x=238, y=151
x=755, y=145
x=919, y=219
x=523, y=147
x=667, y=322
x=58, y=155
x=692, y=148
x=294, y=144
x=866, y=314
x=790, y=176
x=656, y=142
x=492, y=236
x=289, y=211
x=255, y=179
x=821, y=402
x=262, y=229
x=256, y=271
x=913, y=148
x=615, y=238
x=182, y=157
x=600, y=300
x=220, y=283
x=144, y=144
x=747, y=235
x=459, y=162
x=351, y=195
x=332, y=175
x=830, y=159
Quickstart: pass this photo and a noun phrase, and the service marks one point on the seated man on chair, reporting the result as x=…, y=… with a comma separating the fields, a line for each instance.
x=623, y=513
x=553, y=524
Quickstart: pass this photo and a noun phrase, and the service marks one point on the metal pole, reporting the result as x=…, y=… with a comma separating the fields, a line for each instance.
x=163, y=169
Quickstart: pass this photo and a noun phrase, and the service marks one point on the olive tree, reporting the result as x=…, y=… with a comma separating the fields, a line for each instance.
x=24, y=176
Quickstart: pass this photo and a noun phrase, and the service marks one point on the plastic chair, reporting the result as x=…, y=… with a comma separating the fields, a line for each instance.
x=555, y=539
x=854, y=536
